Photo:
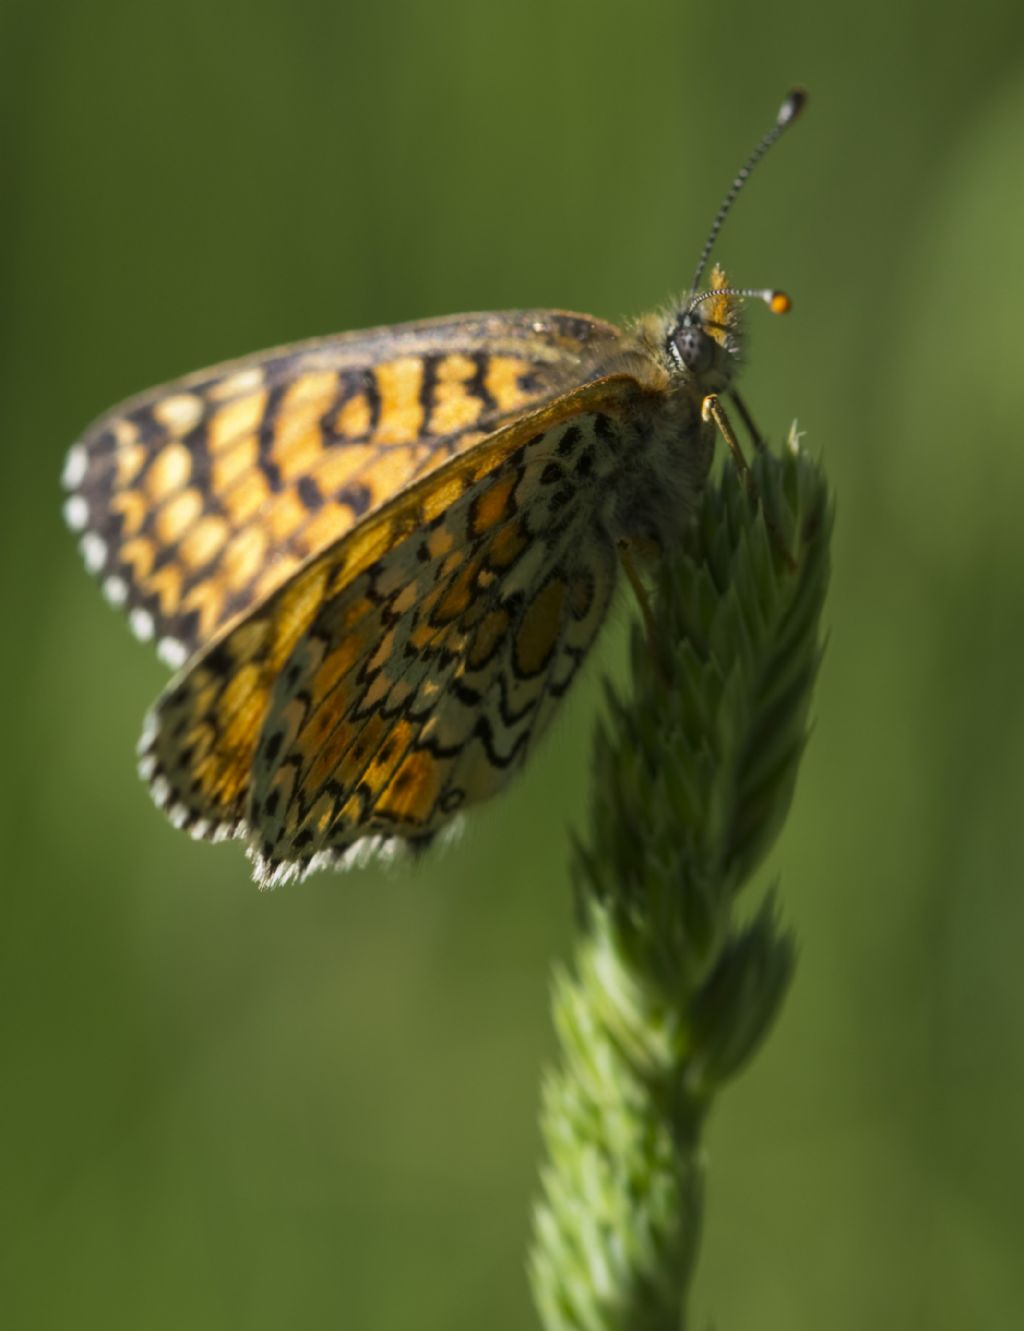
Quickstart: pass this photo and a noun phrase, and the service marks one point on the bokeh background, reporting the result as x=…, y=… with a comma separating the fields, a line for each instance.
x=317, y=1108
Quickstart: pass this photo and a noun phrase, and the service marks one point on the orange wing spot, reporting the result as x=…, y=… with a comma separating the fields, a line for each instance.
x=295, y=453
x=506, y=546
x=487, y=639
x=401, y=412
x=389, y=752
x=204, y=541
x=284, y=515
x=349, y=815
x=452, y=563
x=337, y=466
x=490, y=507
x=238, y=691
x=133, y=507
x=412, y=793
x=166, y=584
x=140, y=554
x=440, y=542
x=235, y=420
x=453, y=408
x=206, y=599
x=383, y=650
x=177, y=515
x=455, y=369
x=353, y=420
x=421, y=634
x=502, y=380
x=298, y=439
x=233, y=462
x=408, y=597
x=246, y=497
x=541, y=628
x=459, y=596
x=322, y=814
x=168, y=471
x=312, y=392
x=221, y=780
x=244, y=557
x=131, y=458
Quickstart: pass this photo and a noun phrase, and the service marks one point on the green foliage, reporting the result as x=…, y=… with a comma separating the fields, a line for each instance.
x=670, y=992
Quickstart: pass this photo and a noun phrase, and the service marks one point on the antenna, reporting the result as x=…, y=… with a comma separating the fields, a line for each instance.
x=777, y=301
x=788, y=112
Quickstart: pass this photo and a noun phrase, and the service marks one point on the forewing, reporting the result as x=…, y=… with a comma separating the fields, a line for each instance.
x=197, y=500
x=469, y=601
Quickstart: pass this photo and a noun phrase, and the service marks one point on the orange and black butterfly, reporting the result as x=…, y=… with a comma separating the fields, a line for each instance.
x=377, y=561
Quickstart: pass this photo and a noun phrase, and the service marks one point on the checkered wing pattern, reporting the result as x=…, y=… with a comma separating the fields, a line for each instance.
x=406, y=672
x=197, y=501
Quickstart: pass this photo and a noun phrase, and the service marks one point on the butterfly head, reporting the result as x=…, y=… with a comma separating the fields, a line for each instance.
x=702, y=340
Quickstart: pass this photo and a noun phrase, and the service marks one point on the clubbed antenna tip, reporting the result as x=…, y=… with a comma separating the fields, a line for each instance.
x=791, y=107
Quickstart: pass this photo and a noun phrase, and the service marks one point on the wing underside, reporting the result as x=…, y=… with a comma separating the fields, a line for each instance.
x=407, y=671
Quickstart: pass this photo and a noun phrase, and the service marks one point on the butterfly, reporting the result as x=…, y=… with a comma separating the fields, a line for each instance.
x=377, y=561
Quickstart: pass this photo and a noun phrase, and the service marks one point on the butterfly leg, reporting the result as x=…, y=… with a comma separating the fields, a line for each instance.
x=644, y=602
x=756, y=437
x=712, y=410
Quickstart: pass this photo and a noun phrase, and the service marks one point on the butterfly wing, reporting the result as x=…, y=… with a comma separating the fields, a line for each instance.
x=197, y=500
x=406, y=671
x=422, y=686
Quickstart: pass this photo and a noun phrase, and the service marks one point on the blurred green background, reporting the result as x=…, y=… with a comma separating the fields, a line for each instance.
x=317, y=1108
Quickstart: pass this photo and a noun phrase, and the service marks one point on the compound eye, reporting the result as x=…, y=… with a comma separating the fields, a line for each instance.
x=691, y=346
